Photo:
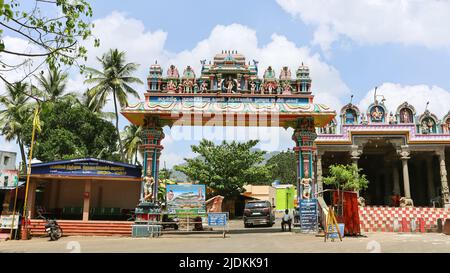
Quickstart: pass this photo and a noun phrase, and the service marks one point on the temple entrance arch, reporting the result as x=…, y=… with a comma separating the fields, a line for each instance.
x=246, y=101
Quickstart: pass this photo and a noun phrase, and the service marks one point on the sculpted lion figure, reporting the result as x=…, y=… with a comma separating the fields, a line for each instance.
x=406, y=202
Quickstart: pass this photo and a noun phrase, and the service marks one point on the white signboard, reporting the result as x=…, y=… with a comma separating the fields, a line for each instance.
x=6, y=221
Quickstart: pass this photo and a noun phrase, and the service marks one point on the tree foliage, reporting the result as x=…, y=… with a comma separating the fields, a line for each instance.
x=283, y=167
x=114, y=79
x=72, y=131
x=16, y=111
x=52, y=28
x=227, y=167
x=131, y=138
x=346, y=177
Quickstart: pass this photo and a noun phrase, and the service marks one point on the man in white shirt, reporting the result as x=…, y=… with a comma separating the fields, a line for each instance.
x=286, y=220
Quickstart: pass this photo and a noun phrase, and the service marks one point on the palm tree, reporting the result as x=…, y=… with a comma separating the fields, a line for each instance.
x=88, y=102
x=115, y=79
x=53, y=86
x=131, y=137
x=15, y=112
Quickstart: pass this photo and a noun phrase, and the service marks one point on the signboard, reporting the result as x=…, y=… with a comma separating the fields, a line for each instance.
x=308, y=215
x=218, y=219
x=9, y=179
x=86, y=167
x=6, y=221
x=186, y=199
x=215, y=99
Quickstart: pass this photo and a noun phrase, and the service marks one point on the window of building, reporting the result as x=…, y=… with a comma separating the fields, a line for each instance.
x=6, y=160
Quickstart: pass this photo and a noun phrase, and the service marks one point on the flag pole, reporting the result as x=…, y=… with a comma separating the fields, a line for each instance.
x=24, y=220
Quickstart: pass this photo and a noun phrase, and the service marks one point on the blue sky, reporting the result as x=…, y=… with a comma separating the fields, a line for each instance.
x=351, y=47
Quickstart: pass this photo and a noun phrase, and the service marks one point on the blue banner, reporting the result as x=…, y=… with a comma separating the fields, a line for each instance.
x=218, y=219
x=86, y=167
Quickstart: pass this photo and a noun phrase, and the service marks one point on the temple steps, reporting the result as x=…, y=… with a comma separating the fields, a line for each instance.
x=79, y=228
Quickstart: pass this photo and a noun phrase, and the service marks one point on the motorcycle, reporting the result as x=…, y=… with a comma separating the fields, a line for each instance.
x=53, y=230
x=51, y=227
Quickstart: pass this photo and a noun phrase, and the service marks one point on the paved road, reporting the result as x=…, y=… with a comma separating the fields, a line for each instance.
x=253, y=240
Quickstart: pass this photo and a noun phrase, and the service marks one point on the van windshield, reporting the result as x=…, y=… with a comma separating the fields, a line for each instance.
x=256, y=205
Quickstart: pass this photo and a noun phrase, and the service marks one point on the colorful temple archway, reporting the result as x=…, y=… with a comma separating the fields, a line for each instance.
x=230, y=89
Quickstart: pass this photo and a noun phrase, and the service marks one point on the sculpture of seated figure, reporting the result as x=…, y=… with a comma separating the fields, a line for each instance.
x=253, y=87
x=180, y=88
x=203, y=87
x=287, y=89
x=171, y=87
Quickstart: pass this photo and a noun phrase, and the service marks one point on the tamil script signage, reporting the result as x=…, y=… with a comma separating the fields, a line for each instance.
x=6, y=221
x=9, y=179
x=228, y=100
x=217, y=219
x=186, y=199
x=88, y=167
x=308, y=215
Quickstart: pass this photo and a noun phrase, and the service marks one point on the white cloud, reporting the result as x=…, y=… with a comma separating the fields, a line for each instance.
x=327, y=83
x=422, y=22
x=171, y=159
x=416, y=95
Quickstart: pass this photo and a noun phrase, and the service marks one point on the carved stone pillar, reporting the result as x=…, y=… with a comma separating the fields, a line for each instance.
x=404, y=156
x=355, y=153
x=304, y=136
x=396, y=180
x=444, y=181
x=430, y=178
x=319, y=173
x=152, y=134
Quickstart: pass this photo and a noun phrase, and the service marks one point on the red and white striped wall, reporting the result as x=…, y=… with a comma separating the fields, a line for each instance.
x=395, y=219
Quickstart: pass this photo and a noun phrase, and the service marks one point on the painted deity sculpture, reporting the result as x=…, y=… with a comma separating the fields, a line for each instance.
x=252, y=87
x=148, y=187
x=287, y=88
x=405, y=116
x=203, y=87
x=377, y=114
x=171, y=87
x=306, y=185
x=350, y=117
x=447, y=126
x=391, y=119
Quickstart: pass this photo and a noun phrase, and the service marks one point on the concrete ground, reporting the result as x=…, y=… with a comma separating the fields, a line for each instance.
x=239, y=239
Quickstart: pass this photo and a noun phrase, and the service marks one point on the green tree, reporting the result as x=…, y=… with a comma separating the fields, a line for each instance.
x=227, y=167
x=283, y=167
x=52, y=87
x=16, y=111
x=165, y=174
x=72, y=131
x=346, y=177
x=115, y=78
x=131, y=138
x=53, y=29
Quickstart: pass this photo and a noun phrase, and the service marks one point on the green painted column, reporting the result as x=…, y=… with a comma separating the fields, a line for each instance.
x=152, y=135
x=304, y=136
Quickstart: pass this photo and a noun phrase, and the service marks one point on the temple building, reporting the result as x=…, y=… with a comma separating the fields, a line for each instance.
x=402, y=152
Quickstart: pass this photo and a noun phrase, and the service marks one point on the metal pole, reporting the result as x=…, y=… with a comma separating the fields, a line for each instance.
x=14, y=212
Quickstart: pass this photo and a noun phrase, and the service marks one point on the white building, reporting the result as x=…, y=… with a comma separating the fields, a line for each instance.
x=7, y=160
